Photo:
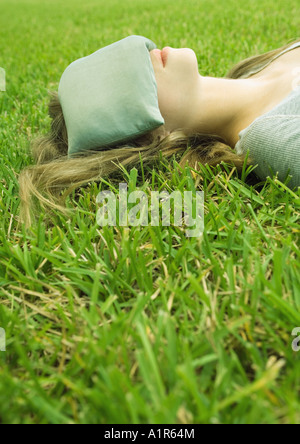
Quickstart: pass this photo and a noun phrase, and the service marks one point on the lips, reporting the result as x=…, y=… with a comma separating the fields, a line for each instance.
x=164, y=54
x=157, y=53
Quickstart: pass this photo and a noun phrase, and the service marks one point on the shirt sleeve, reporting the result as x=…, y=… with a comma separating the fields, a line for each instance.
x=274, y=144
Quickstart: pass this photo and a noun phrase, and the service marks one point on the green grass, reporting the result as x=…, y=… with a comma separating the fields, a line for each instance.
x=142, y=324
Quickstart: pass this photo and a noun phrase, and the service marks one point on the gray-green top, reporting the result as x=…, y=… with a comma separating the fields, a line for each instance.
x=273, y=139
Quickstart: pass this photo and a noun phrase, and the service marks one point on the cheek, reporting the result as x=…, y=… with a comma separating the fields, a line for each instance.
x=168, y=92
x=165, y=98
x=172, y=100
x=175, y=87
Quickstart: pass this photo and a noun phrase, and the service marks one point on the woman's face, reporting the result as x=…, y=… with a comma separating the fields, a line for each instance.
x=177, y=78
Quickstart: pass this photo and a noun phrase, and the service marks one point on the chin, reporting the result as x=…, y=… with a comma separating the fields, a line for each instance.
x=188, y=52
x=186, y=55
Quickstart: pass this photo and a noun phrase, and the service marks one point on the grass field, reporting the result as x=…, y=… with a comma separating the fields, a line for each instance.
x=142, y=324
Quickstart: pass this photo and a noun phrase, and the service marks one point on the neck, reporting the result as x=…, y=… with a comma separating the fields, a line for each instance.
x=226, y=106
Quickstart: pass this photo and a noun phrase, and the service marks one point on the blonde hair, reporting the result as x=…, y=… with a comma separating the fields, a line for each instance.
x=54, y=172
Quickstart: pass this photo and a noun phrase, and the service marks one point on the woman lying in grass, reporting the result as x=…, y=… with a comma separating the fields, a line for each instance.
x=130, y=100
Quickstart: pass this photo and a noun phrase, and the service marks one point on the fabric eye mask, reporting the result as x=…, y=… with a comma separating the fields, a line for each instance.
x=110, y=96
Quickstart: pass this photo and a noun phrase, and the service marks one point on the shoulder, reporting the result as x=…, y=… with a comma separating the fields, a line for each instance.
x=277, y=122
x=273, y=141
x=275, y=127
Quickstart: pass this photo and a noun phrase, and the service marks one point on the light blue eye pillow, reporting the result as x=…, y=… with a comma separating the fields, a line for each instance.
x=110, y=96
